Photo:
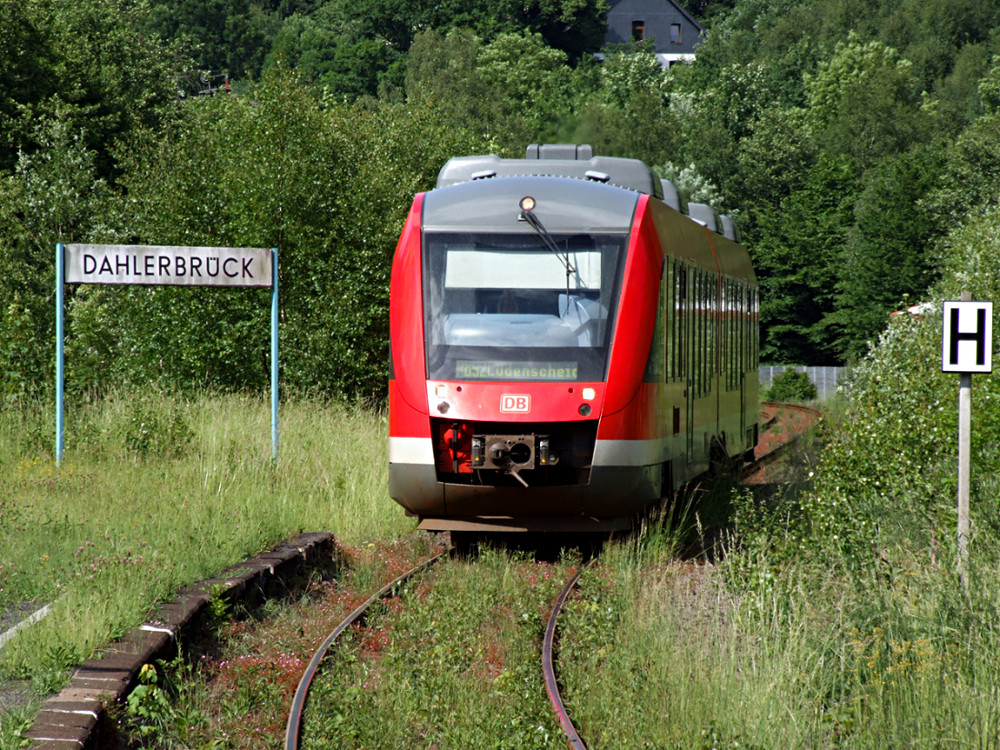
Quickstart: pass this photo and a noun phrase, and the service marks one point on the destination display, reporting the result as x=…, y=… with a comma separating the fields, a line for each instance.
x=172, y=266
x=478, y=370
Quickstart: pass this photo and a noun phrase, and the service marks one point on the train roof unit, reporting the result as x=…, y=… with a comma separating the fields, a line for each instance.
x=579, y=162
x=554, y=160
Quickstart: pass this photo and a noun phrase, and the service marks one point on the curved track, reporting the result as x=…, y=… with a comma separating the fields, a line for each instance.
x=548, y=668
x=780, y=425
x=302, y=691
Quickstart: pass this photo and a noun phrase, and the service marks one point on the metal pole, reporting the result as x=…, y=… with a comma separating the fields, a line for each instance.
x=274, y=354
x=60, y=372
x=964, y=428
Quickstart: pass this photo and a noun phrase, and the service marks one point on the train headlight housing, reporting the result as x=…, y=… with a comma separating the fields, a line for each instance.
x=584, y=410
x=589, y=394
x=527, y=203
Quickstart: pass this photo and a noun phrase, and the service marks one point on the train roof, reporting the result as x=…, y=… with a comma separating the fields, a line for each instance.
x=578, y=162
x=554, y=160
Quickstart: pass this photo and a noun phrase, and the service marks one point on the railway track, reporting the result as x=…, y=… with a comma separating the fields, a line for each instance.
x=548, y=665
x=294, y=725
x=781, y=425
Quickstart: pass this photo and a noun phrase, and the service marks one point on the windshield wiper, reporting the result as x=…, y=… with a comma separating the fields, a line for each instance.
x=529, y=216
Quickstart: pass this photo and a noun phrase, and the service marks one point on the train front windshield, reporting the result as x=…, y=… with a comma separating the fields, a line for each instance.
x=507, y=307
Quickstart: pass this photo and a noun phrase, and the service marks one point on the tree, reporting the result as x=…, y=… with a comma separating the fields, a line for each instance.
x=53, y=195
x=335, y=56
x=866, y=102
x=797, y=257
x=628, y=111
x=888, y=254
x=87, y=61
x=442, y=71
x=225, y=36
x=531, y=81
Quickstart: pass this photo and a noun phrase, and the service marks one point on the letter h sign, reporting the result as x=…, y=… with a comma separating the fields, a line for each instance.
x=967, y=339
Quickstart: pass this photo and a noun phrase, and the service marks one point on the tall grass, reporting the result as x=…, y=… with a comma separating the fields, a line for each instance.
x=760, y=651
x=154, y=492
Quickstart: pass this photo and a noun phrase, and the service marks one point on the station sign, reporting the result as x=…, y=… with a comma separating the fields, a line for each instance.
x=167, y=265
x=967, y=337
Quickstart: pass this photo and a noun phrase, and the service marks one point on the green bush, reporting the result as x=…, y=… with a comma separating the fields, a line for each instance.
x=791, y=385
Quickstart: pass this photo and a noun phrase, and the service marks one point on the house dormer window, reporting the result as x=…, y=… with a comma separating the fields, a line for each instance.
x=638, y=31
x=675, y=33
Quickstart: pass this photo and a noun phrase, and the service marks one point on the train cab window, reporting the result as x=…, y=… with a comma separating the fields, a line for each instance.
x=505, y=307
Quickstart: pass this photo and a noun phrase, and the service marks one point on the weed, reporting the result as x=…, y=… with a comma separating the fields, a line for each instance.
x=148, y=706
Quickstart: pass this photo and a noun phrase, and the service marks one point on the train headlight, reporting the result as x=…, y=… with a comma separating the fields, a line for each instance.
x=589, y=394
x=584, y=410
x=441, y=390
x=527, y=203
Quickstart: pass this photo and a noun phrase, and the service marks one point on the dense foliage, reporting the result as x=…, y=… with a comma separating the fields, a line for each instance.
x=847, y=139
x=889, y=473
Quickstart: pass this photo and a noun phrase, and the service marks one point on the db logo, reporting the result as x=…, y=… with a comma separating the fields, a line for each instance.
x=515, y=403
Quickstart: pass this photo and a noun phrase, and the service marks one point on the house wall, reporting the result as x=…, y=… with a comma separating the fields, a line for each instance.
x=657, y=15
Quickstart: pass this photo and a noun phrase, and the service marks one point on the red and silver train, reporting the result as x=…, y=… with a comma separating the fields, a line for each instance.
x=567, y=346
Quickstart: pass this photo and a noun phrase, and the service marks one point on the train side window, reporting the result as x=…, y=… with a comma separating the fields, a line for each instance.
x=745, y=358
x=738, y=325
x=735, y=321
x=754, y=328
x=737, y=330
x=680, y=329
x=700, y=339
x=706, y=332
x=695, y=348
x=702, y=332
x=712, y=332
x=668, y=293
x=727, y=311
x=712, y=329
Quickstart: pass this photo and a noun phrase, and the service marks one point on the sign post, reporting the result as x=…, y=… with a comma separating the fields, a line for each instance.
x=967, y=347
x=168, y=266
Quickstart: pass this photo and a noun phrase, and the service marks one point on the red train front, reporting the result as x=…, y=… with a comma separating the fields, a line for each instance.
x=545, y=349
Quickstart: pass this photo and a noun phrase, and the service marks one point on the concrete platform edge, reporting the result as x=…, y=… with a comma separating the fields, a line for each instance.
x=76, y=717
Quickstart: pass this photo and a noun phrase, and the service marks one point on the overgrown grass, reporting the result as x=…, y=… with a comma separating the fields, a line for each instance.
x=777, y=646
x=154, y=492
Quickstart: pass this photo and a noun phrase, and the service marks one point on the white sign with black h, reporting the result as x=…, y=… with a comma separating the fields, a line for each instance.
x=967, y=337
